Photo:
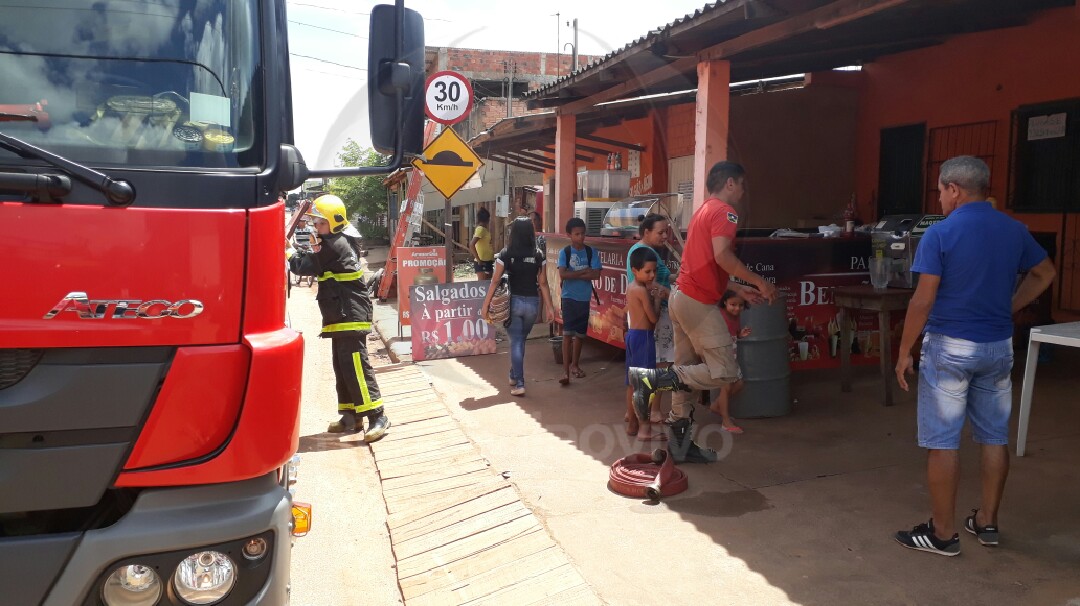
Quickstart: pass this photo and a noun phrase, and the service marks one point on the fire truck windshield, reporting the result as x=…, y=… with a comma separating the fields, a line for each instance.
x=154, y=83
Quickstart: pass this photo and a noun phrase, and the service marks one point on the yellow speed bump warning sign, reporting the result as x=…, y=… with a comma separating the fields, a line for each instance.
x=450, y=162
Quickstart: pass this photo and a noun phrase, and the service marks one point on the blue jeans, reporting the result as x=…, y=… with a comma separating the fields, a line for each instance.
x=523, y=311
x=961, y=379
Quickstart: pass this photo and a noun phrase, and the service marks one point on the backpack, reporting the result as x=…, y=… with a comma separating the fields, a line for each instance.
x=588, y=261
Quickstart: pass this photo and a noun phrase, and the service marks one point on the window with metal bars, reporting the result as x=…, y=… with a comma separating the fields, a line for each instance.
x=975, y=139
x=1044, y=175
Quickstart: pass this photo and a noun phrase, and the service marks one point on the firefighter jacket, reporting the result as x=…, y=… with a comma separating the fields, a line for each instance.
x=343, y=295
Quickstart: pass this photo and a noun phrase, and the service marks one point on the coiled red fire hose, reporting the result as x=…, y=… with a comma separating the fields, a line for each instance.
x=647, y=476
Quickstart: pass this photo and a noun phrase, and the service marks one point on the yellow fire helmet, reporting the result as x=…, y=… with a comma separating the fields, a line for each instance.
x=332, y=209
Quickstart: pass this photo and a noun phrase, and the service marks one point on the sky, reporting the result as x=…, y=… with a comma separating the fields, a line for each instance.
x=328, y=44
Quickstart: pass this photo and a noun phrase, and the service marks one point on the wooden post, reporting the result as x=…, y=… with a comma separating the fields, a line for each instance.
x=565, y=175
x=710, y=122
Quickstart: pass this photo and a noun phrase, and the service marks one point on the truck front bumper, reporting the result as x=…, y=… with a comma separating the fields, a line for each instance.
x=188, y=518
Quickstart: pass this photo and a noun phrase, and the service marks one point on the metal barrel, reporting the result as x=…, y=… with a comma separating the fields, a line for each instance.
x=765, y=362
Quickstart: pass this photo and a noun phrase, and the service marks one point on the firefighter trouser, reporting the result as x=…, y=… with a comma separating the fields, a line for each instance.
x=356, y=386
x=704, y=352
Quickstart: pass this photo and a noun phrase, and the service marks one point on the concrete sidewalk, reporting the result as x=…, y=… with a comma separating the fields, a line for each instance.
x=800, y=510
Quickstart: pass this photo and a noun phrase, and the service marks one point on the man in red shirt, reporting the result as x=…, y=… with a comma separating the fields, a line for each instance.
x=704, y=353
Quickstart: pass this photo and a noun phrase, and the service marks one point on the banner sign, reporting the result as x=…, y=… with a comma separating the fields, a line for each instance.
x=417, y=262
x=607, y=319
x=805, y=271
x=446, y=321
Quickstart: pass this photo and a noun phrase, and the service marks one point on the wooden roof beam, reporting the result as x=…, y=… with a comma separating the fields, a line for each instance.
x=821, y=18
x=551, y=149
x=588, y=148
x=613, y=142
x=530, y=158
x=630, y=85
x=518, y=164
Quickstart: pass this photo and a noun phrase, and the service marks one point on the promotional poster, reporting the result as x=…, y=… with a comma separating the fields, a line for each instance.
x=446, y=321
x=424, y=263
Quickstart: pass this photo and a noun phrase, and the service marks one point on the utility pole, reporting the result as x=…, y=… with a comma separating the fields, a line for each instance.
x=575, y=55
x=510, y=69
x=558, y=46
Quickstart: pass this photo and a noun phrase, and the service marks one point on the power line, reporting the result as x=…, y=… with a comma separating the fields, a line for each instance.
x=361, y=69
x=315, y=71
x=337, y=31
x=341, y=10
x=328, y=8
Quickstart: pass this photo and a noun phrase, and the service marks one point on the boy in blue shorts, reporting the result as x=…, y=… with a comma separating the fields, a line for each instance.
x=578, y=267
x=643, y=309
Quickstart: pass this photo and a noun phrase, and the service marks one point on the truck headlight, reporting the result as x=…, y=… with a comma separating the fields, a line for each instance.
x=132, y=585
x=204, y=578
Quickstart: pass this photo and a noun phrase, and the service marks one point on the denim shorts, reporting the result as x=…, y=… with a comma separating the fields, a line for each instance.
x=575, y=315
x=959, y=380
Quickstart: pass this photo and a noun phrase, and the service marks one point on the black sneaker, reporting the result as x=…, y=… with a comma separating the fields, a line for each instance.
x=922, y=538
x=988, y=535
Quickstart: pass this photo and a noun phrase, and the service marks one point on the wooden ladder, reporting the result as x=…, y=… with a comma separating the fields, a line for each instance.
x=414, y=206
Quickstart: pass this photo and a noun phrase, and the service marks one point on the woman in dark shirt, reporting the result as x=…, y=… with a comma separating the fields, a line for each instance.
x=524, y=267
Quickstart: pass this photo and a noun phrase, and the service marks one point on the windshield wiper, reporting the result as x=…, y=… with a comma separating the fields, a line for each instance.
x=117, y=191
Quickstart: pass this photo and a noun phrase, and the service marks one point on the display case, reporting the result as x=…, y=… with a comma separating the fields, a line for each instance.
x=603, y=185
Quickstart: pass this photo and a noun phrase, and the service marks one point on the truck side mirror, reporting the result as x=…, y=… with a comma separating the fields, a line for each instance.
x=396, y=65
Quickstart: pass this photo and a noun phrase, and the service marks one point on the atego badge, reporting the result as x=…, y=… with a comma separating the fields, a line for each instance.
x=124, y=309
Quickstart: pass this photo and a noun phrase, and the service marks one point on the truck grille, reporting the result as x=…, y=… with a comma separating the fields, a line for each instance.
x=16, y=364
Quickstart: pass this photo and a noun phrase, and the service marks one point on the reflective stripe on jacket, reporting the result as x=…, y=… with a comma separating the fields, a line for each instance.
x=343, y=296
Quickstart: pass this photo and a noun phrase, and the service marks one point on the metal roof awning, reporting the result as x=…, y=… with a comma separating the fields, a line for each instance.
x=524, y=141
x=769, y=38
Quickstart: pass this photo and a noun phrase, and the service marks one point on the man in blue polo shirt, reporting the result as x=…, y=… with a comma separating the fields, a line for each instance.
x=966, y=295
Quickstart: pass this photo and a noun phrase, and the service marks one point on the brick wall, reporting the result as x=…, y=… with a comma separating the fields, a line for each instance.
x=536, y=68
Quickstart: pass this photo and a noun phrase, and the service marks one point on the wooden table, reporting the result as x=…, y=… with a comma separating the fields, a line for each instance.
x=883, y=302
x=1067, y=334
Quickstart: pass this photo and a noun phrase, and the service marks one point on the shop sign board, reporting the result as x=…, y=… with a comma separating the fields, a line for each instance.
x=1046, y=127
x=446, y=321
x=416, y=262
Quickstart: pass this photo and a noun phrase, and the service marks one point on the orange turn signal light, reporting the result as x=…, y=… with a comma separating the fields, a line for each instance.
x=301, y=515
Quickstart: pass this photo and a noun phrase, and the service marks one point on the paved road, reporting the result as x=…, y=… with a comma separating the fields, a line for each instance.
x=346, y=559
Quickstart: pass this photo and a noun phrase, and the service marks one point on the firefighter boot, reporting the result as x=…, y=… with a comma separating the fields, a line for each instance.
x=378, y=423
x=646, y=381
x=346, y=424
x=682, y=447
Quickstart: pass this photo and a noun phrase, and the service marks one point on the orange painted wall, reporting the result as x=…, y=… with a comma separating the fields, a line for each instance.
x=798, y=147
x=971, y=78
x=640, y=132
x=646, y=132
x=679, y=129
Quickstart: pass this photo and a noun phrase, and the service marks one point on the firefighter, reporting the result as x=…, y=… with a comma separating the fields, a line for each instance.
x=346, y=314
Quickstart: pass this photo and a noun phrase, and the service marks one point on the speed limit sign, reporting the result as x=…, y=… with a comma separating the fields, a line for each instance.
x=448, y=97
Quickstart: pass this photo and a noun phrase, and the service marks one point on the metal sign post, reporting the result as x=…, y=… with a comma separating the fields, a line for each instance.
x=448, y=230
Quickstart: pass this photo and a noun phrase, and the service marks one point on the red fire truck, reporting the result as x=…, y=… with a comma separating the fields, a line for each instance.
x=149, y=387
